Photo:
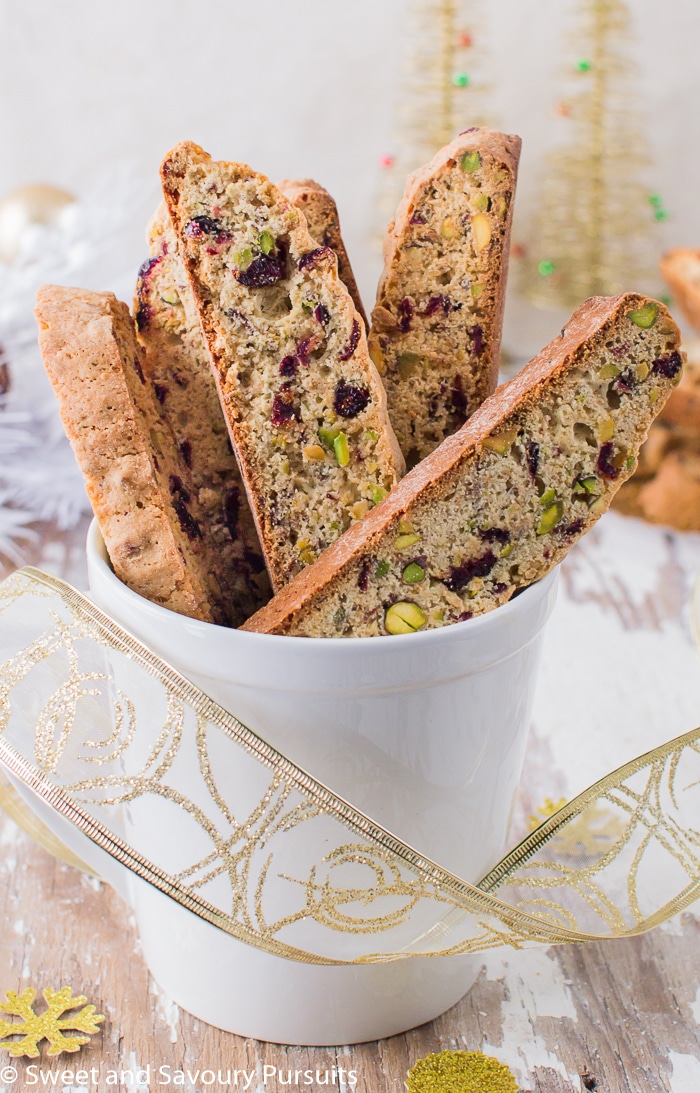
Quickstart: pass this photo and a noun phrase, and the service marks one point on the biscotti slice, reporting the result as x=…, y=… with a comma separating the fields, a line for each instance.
x=681, y=269
x=500, y=502
x=176, y=362
x=305, y=406
x=323, y=222
x=436, y=326
x=125, y=451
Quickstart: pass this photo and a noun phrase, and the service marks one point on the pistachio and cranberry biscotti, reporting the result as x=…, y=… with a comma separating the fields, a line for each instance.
x=502, y=501
x=436, y=326
x=323, y=222
x=305, y=406
x=681, y=269
x=129, y=459
x=176, y=362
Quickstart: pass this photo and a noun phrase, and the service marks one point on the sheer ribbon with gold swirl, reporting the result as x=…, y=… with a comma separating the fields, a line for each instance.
x=178, y=791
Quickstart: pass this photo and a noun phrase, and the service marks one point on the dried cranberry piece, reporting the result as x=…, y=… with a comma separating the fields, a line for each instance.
x=532, y=457
x=498, y=588
x=283, y=409
x=266, y=269
x=668, y=366
x=625, y=382
x=363, y=579
x=240, y=317
x=349, y=401
x=199, y=226
x=181, y=498
x=313, y=257
x=307, y=347
x=161, y=392
x=144, y=314
x=495, y=535
x=460, y=575
x=440, y=303
x=186, y=453
x=574, y=528
x=465, y=616
x=146, y=268
x=471, y=129
x=137, y=369
x=417, y=218
x=322, y=314
x=458, y=399
x=619, y=350
x=350, y=348
x=288, y=366
x=477, y=336
x=605, y=461
x=405, y=315
x=232, y=508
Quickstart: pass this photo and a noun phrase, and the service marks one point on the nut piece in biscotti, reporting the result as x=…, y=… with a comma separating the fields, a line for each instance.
x=128, y=457
x=176, y=362
x=681, y=269
x=436, y=326
x=323, y=222
x=502, y=501
x=304, y=404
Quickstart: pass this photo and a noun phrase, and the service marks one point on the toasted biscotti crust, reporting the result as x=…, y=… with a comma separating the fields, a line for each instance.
x=436, y=326
x=304, y=404
x=681, y=269
x=501, y=501
x=176, y=362
x=323, y=222
x=124, y=449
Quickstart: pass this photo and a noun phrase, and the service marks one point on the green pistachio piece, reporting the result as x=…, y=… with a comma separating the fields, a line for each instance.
x=587, y=484
x=403, y=542
x=266, y=242
x=629, y=462
x=371, y=434
x=476, y=291
x=598, y=506
x=547, y=497
x=550, y=518
x=413, y=573
x=243, y=258
x=377, y=494
x=482, y=203
x=641, y=371
x=383, y=568
x=327, y=437
x=407, y=363
x=645, y=316
x=404, y=618
x=508, y=549
x=470, y=162
x=609, y=372
x=341, y=449
x=170, y=297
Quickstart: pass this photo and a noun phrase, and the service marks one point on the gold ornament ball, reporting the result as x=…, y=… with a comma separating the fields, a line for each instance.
x=37, y=204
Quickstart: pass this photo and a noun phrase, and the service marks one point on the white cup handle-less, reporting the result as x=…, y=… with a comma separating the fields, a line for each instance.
x=425, y=733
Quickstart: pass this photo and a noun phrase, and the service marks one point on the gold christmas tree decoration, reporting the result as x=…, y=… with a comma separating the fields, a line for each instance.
x=460, y=1072
x=591, y=232
x=48, y=1025
x=442, y=89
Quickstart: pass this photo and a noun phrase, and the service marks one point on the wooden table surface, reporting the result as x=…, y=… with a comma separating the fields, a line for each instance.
x=620, y=674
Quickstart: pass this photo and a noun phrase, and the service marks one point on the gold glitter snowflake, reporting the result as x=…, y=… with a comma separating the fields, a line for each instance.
x=460, y=1072
x=47, y=1025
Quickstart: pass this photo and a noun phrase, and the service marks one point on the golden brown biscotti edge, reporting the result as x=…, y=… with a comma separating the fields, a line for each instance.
x=79, y=335
x=428, y=478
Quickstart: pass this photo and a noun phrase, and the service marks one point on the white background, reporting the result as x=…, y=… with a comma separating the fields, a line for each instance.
x=309, y=88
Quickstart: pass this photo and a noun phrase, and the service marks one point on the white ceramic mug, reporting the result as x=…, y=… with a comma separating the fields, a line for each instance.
x=423, y=732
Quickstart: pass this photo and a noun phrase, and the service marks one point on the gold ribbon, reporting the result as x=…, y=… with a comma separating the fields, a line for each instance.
x=177, y=790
